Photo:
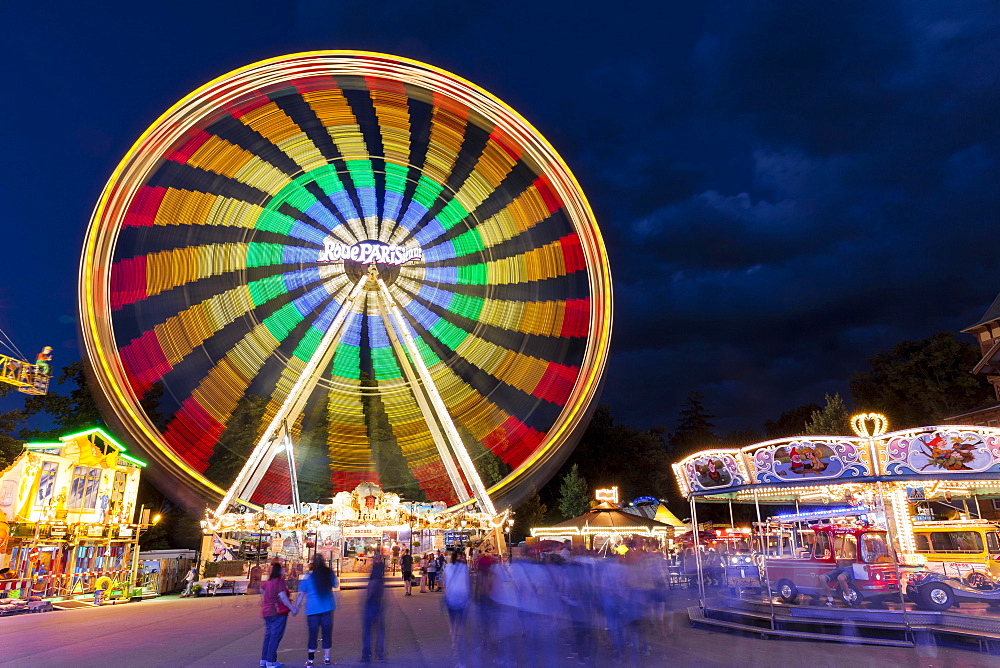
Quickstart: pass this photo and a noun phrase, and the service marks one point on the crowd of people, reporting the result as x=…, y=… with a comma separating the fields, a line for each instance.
x=541, y=611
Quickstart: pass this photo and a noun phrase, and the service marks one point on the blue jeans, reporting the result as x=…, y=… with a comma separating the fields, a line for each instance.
x=274, y=630
x=324, y=621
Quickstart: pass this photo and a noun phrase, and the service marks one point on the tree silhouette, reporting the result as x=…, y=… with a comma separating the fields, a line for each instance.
x=574, y=497
x=694, y=427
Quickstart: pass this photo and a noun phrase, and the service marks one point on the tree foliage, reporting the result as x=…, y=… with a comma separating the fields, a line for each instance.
x=69, y=412
x=312, y=454
x=393, y=471
x=695, y=430
x=920, y=382
x=574, y=497
x=791, y=423
x=531, y=513
x=491, y=468
x=831, y=420
x=10, y=422
x=237, y=442
x=610, y=453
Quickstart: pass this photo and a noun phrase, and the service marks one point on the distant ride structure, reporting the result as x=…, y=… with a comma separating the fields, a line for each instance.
x=357, y=258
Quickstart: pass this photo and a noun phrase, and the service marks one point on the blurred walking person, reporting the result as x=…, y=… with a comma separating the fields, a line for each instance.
x=456, y=598
x=406, y=564
x=274, y=608
x=317, y=591
x=373, y=615
x=423, y=574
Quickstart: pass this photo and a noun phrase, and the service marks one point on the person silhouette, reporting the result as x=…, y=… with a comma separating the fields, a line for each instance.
x=373, y=615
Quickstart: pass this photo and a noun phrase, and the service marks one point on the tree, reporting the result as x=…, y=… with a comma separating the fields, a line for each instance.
x=694, y=427
x=313, y=453
x=529, y=514
x=920, y=382
x=574, y=497
x=71, y=412
x=393, y=471
x=10, y=421
x=610, y=454
x=237, y=442
x=791, y=422
x=832, y=420
x=490, y=467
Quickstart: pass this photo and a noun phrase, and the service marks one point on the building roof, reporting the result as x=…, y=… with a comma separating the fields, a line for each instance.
x=992, y=313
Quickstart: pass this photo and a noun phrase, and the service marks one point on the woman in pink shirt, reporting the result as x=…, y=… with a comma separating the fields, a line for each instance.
x=274, y=608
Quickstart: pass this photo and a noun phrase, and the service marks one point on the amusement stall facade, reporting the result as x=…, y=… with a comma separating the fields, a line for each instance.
x=887, y=532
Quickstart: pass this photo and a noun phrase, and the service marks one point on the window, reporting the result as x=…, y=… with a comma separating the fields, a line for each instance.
x=822, y=550
x=46, y=483
x=874, y=549
x=83, y=489
x=967, y=542
x=993, y=542
x=118, y=491
x=847, y=547
x=922, y=542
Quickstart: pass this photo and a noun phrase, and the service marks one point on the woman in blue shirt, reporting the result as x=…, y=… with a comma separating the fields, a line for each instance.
x=317, y=590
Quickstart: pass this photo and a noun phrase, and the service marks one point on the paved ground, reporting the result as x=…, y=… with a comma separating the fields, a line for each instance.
x=227, y=631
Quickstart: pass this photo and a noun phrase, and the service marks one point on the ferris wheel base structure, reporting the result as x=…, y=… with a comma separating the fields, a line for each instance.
x=357, y=258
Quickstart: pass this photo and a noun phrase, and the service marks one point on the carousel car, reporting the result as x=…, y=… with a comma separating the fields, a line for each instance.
x=936, y=591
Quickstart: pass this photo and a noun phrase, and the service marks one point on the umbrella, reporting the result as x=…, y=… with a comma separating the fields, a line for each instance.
x=544, y=546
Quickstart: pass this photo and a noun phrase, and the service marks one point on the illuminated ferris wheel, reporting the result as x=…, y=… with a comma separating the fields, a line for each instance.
x=358, y=254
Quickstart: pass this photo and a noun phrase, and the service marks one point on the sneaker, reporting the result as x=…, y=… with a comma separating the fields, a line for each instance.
x=326, y=661
x=309, y=662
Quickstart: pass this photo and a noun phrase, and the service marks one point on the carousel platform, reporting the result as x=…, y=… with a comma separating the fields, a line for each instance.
x=892, y=626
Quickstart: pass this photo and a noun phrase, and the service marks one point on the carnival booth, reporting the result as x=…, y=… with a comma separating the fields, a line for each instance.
x=891, y=533
x=67, y=518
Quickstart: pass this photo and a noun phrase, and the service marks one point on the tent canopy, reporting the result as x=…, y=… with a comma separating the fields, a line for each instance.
x=605, y=517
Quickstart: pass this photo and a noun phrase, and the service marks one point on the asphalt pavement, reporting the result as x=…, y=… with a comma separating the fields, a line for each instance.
x=228, y=631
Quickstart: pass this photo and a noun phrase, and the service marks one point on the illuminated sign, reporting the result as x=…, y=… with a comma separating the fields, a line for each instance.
x=860, y=424
x=610, y=495
x=367, y=252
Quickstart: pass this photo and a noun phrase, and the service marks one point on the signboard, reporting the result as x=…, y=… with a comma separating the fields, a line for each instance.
x=124, y=532
x=367, y=252
x=943, y=451
x=57, y=531
x=362, y=531
x=95, y=532
x=808, y=460
x=915, y=495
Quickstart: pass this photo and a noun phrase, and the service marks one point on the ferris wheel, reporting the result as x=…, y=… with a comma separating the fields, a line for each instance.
x=355, y=250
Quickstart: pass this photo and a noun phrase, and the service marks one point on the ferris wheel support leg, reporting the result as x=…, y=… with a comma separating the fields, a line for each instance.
x=423, y=403
x=254, y=469
x=452, y=436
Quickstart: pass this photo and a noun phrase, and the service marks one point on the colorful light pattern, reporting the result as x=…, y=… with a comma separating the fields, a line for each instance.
x=201, y=272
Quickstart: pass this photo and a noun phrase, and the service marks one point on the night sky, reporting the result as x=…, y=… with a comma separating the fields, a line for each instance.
x=785, y=188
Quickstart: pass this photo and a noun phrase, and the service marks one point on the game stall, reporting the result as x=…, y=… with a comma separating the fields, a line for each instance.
x=68, y=524
x=890, y=536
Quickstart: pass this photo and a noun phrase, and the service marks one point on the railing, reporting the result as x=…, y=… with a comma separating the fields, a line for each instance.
x=27, y=377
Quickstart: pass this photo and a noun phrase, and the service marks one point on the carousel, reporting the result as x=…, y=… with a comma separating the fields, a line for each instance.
x=348, y=531
x=892, y=532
